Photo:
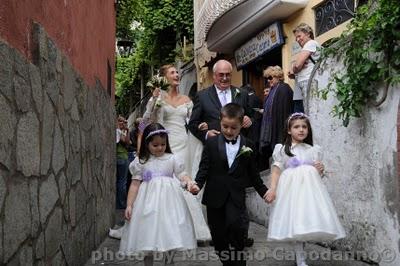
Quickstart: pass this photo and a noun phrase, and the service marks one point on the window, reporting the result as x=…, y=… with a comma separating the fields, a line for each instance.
x=332, y=13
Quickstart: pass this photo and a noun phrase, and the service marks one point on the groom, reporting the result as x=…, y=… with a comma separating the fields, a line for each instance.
x=205, y=119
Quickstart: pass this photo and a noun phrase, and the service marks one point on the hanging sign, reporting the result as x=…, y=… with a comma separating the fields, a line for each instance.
x=265, y=41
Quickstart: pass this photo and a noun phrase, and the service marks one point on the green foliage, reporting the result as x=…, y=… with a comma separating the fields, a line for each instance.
x=126, y=81
x=370, y=50
x=166, y=23
x=163, y=25
x=126, y=14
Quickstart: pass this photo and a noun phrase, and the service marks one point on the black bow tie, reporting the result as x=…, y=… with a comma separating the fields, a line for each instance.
x=232, y=141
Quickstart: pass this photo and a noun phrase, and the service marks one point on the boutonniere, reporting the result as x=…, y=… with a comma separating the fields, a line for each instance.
x=236, y=93
x=245, y=151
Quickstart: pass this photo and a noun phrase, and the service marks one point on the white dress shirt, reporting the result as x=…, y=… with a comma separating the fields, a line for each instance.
x=232, y=150
x=228, y=95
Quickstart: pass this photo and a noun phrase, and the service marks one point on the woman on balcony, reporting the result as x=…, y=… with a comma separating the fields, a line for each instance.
x=303, y=65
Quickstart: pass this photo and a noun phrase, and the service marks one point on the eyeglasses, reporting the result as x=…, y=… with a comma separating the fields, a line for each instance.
x=224, y=75
x=269, y=78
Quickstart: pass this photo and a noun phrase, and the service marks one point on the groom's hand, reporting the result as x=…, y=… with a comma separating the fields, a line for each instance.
x=212, y=133
x=247, y=121
x=203, y=126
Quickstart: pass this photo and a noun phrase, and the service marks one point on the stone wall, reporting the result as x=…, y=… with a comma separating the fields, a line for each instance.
x=361, y=164
x=362, y=175
x=57, y=159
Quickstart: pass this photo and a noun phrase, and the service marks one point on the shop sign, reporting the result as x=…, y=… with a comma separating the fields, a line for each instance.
x=265, y=41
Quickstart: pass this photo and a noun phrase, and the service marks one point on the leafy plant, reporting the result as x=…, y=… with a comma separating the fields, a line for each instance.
x=370, y=51
x=163, y=26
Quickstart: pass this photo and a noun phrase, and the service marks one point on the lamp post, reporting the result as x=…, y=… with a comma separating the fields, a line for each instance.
x=125, y=47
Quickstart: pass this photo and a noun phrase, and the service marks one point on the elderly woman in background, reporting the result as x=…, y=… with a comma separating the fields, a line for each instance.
x=301, y=68
x=278, y=105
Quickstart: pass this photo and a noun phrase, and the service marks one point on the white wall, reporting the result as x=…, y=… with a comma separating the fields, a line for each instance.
x=362, y=178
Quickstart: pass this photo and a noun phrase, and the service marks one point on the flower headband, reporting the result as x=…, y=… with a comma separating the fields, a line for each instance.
x=297, y=114
x=158, y=131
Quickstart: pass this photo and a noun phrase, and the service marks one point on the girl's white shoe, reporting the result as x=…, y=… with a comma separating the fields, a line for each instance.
x=115, y=233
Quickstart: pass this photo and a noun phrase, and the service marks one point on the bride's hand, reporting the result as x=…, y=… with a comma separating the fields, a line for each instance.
x=156, y=92
x=203, y=126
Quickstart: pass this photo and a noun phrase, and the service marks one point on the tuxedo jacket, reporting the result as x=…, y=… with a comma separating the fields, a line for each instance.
x=207, y=108
x=222, y=182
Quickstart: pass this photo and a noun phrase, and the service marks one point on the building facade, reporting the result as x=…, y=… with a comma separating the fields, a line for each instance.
x=254, y=34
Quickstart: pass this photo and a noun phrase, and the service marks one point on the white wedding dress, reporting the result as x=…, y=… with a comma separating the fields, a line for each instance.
x=188, y=149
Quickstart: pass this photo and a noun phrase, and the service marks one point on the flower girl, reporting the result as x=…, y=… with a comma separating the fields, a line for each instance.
x=302, y=208
x=159, y=218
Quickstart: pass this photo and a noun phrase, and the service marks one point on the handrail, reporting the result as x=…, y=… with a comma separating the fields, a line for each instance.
x=131, y=110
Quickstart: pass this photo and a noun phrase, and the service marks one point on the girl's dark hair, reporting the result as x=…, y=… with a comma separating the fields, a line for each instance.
x=287, y=140
x=147, y=137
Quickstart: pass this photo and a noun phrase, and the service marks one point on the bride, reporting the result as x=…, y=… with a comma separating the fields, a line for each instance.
x=173, y=110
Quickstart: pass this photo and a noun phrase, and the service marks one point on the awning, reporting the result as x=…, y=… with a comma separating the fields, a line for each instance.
x=244, y=20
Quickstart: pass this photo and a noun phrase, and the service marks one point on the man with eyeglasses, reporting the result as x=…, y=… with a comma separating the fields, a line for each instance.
x=205, y=121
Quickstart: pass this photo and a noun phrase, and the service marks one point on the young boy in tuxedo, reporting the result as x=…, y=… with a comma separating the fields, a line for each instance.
x=227, y=166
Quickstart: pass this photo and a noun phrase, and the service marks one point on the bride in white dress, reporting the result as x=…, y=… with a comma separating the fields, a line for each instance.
x=172, y=110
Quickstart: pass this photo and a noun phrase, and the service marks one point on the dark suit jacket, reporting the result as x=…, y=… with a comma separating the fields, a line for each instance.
x=207, y=108
x=221, y=181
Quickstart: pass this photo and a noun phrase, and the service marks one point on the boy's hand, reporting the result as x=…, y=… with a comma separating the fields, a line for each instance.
x=128, y=213
x=189, y=185
x=194, y=189
x=270, y=195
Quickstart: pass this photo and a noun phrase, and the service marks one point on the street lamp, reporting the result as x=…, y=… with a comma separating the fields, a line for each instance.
x=125, y=47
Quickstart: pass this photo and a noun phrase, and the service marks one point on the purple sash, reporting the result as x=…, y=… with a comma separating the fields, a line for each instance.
x=295, y=162
x=148, y=175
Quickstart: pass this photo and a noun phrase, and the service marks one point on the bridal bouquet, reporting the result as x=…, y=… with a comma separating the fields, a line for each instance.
x=158, y=82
